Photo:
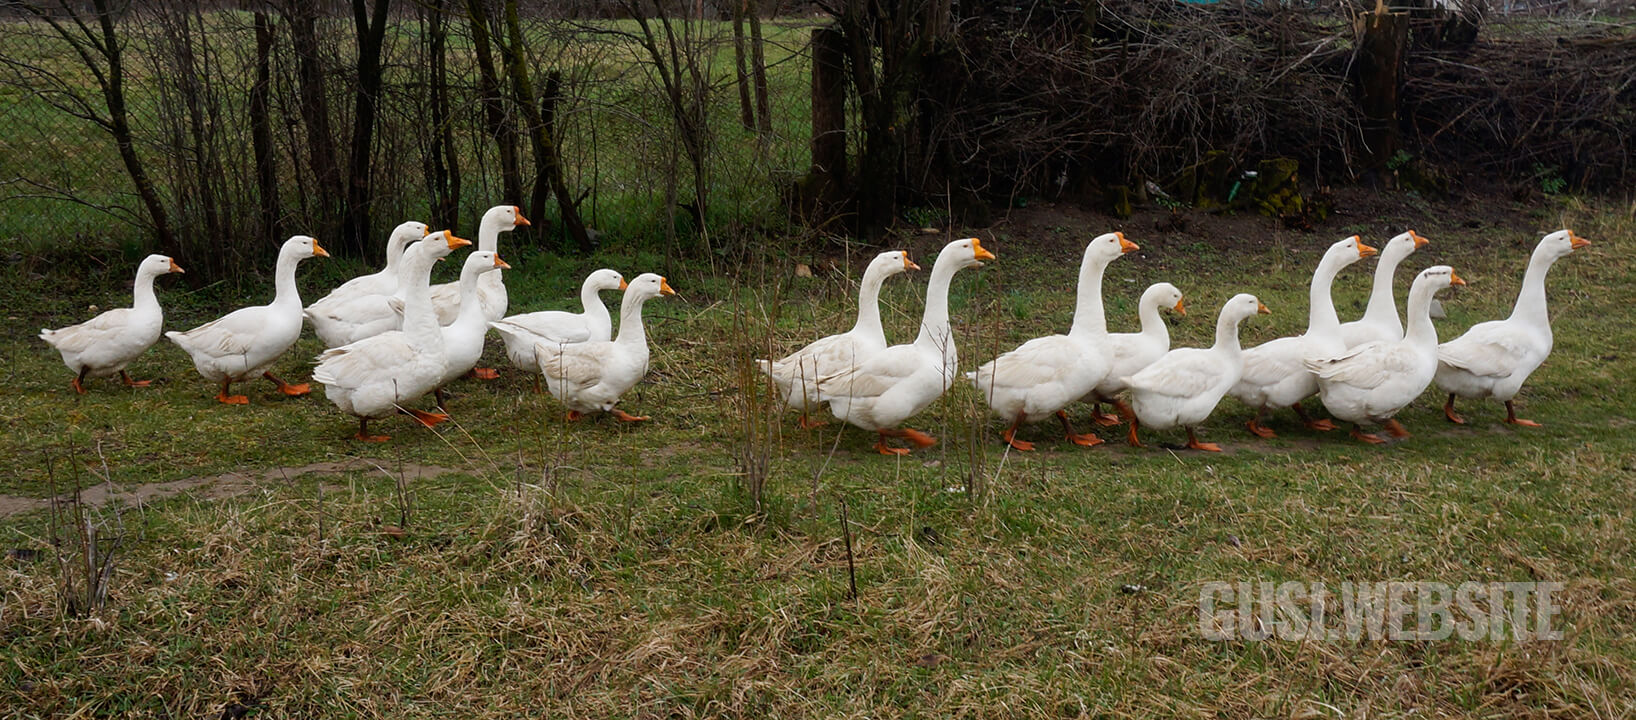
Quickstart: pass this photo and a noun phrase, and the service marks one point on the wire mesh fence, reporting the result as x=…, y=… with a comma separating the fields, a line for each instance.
x=247, y=126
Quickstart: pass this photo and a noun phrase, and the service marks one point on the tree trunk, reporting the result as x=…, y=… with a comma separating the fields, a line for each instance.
x=119, y=125
x=758, y=69
x=746, y=112
x=828, y=113
x=443, y=172
x=321, y=155
x=567, y=205
x=261, y=130
x=547, y=168
x=494, y=113
x=369, y=26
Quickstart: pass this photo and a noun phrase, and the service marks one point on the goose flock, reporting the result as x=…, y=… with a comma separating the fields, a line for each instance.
x=393, y=337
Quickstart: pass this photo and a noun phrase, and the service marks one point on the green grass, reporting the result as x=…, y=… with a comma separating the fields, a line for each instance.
x=597, y=569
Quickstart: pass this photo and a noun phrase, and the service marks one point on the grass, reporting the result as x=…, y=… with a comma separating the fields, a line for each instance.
x=599, y=569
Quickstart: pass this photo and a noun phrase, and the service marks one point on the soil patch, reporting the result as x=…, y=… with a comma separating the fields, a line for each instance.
x=210, y=487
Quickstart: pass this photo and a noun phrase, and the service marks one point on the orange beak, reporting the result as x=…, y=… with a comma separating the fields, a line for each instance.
x=319, y=249
x=1180, y=307
x=622, y=284
x=521, y=221
x=1364, y=250
x=1576, y=241
x=1419, y=240
x=1454, y=278
x=977, y=248
x=1126, y=245
x=909, y=264
x=503, y=265
x=664, y=287
x=1261, y=308
x=455, y=242
x=176, y=268
x=425, y=231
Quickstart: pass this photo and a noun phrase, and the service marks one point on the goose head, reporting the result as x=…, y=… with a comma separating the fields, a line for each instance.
x=605, y=279
x=1107, y=246
x=303, y=247
x=964, y=253
x=407, y=233
x=1437, y=277
x=1403, y=245
x=890, y=263
x=1163, y=295
x=1561, y=243
x=506, y=217
x=156, y=265
x=440, y=244
x=1242, y=306
x=1346, y=252
x=649, y=285
x=483, y=261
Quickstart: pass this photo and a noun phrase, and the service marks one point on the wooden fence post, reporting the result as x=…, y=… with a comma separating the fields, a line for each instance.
x=1378, y=75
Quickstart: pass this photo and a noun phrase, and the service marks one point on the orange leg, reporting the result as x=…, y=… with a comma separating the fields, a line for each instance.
x=884, y=449
x=1131, y=436
x=1010, y=437
x=627, y=417
x=225, y=399
x=1395, y=429
x=363, y=433
x=1086, y=440
x=1193, y=442
x=1511, y=416
x=806, y=423
x=483, y=373
x=78, y=383
x=286, y=388
x=125, y=376
x=1255, y=426
x=1102, y=418
x=1321, y=425
x=1448, y=412
x=1370, y=438
x=575, y=415
x=429, y=419
x=1125, y=412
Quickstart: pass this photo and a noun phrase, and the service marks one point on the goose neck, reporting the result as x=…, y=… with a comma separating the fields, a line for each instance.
x=471, y=310
x=631, y=331
x=935, y=334
x=416, y=292
x=1531, y=305
x=1421, y=333
x=143, y=298
x=869, y=322
x=1089, y=316
x=284, y=290
x=1153, y=325
x=1321, y=315
x=1382, y=308
x=1227, y=334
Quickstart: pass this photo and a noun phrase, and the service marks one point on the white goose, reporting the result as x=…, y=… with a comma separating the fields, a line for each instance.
x=463, y=338
x=375, y=376
x=1132, y=352
x=105, y=344
x=491, y=289
x=894, y=384
x=796, y=375
x=246, y=342
x=1373, y=381
x=1183, y=387
x=1042, y=376
x=384, y=282
x=591, y=376
x=521, y=332
x=354, y=317
x=1380, y=320
x=1493, y=359
x=1273, y=374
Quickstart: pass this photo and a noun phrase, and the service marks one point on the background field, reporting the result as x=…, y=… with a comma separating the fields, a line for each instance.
x=597, y=569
